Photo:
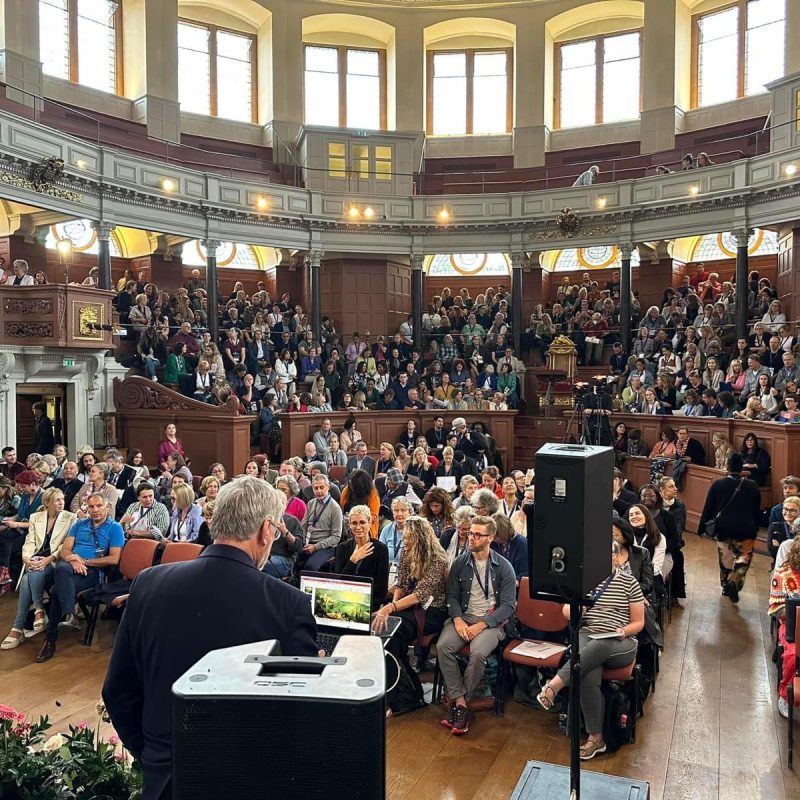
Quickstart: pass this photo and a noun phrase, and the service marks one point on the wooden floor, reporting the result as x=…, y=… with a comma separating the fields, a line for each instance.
x=710, y=731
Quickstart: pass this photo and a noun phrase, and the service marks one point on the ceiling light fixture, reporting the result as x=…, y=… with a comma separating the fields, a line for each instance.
x=262, y=203
x=790, y=170
x=369, y=212
x=443, y=215
x=353, y=212
x=168, y=185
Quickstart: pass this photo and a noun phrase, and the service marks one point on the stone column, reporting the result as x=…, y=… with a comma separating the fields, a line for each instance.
x=517, y=260
x=20, y=68
x=150, y=61
x=625, y=251
x=742, y=237
x=103, y=230
x=211, y=246
x=666, y=43
x=416, y=298
x=792, y=37
x=314, y=261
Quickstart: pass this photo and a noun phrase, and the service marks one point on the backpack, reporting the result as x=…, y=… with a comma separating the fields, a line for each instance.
x=408, y=694
x=618, y=717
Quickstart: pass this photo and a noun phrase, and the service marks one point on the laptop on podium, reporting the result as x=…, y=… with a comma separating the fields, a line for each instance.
x=342, y=605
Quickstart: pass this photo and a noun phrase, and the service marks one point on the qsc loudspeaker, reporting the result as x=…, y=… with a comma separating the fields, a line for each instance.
x=569, y=539
x=256, y=726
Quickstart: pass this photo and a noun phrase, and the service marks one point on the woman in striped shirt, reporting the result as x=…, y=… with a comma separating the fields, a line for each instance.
x=618, y=608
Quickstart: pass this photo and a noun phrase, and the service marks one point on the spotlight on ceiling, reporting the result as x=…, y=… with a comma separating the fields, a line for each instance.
x=369, y=212
x=168, y=185
x=262, y=203
x=790, y=170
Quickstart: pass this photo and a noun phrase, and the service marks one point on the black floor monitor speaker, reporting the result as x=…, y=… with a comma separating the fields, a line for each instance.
x=569, y=538
x=246, y=724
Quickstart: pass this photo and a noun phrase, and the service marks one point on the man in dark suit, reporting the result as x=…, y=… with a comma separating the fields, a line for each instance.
x=69, y=483
x=360, y=461
x=177, y=613
x=470, y=443
x=120, y=475
x=45, y=441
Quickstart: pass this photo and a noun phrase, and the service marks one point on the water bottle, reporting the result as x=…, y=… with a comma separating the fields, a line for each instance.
x=562, y=724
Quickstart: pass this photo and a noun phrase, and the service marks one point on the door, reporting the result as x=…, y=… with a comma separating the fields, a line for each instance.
x=54, y=398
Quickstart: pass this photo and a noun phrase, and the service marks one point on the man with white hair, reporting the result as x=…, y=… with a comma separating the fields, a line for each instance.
x=589, y=177
x=177, y=613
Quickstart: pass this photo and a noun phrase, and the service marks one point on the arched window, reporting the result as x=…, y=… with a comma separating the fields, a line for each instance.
x=79, y=41
x=739, y=49
x=597, y=257
x=82, y=235
x=467, y=265
x=229, y=254
x=719, y=246
x=216, y=71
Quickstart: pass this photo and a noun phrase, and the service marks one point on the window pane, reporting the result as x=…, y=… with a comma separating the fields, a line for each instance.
x=489, y=93
x=322, y=86
x=234, y=76
x=336, y=160
x=621, y=77
x=54, y=37
x=578, y=84
x=194, y=69
x=359, y=160
x=764, y=44
x=363, y=89
x=717, y=58
x=97, y=46
x=449, y=93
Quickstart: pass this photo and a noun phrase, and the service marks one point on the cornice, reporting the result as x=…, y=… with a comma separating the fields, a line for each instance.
x=637, y=209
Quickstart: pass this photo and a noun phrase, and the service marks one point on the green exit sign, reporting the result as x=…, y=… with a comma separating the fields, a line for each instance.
x=68, y=362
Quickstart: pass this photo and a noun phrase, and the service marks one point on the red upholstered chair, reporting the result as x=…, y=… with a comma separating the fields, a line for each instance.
x=540, y=615
x=336, y=473
x=138, y=554
x=180, y=551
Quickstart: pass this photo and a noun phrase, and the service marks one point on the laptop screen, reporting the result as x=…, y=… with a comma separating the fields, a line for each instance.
x=339, y=603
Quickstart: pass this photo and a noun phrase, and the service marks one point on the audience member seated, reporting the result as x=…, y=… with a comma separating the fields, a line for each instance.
x=392, y=531
x=363, y=554
x=619, y=607
x=92, y=545
x=147, y=518
x=14, y=529
x=187, y=516
x=785, y=581
x=421, y=582
x=322, y=527
x=48, y=527
x=481, y=597
x=756, y=460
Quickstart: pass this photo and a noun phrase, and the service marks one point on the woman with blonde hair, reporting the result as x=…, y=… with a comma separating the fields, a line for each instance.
x=335, y=456
x=736, y=376
x=420, y=473
x=753, y=410
x=46, y=533
x=421, y=582
x=386, y=458
x=209, y=488
x=713, y=376
x=722, y=449
x=187, y=517
x=364, y=554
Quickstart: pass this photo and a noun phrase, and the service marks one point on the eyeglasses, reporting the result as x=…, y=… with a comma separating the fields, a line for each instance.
x=479, y=535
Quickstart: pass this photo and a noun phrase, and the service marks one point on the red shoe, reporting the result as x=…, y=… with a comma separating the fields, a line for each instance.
x=461, y=720
x=448, y=720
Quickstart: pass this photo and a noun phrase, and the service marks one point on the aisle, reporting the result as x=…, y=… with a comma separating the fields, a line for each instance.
x=710, y=732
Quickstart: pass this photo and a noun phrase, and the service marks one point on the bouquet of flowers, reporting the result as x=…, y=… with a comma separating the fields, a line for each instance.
x=567, y=222
x=76, y=765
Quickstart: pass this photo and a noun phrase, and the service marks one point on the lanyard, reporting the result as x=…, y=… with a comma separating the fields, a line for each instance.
x=318, y=512
x=484, y=585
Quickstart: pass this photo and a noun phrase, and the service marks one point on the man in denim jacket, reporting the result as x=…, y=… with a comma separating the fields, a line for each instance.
x=481, y=596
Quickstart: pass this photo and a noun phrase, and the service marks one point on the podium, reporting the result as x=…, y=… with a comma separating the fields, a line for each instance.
x=563, y=357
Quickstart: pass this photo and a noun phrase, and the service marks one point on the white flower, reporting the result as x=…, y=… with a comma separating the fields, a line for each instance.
x=55, y=742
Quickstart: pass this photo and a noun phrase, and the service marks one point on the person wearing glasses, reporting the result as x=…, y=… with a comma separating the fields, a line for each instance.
x=481, y=596
x=364, y=555
x=177, y=613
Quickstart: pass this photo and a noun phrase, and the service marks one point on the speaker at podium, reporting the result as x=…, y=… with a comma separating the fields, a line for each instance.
x=248, y=723
x=569, y=537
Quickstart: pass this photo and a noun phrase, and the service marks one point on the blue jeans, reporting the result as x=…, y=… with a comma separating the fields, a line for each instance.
x=150, y=365
x=68, y=584
x=278, y=566
x=316, y=561
x=31, y=592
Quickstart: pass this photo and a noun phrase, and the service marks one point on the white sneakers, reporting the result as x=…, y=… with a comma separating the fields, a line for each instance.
x=783, y=707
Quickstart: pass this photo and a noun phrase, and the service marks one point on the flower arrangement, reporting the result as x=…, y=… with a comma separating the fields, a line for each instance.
x=76, y=765
x=567, y=222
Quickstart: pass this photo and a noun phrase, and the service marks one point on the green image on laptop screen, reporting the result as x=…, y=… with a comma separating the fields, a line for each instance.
x=339, y=603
